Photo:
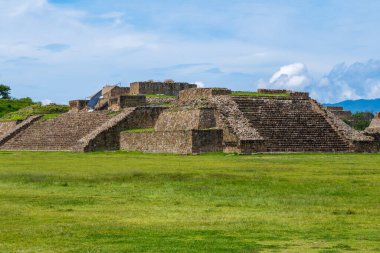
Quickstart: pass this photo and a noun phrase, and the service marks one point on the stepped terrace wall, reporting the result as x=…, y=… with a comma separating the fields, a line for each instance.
x=107, y=136
x=189, y=95
x=6, y=126
x=179, y=141
x=186, y=119
x=169, y=89
x=339, y=112
x=375, y=124
x=82, y=131
x=124, y=101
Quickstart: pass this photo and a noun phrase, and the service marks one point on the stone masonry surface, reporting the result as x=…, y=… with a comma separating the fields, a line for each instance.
x=186, y=119
x=179, y=141
x=375, y=124
x=6, y=126
x=188, y=95
x=19, y=128
x=107, y=136
x=169, y=89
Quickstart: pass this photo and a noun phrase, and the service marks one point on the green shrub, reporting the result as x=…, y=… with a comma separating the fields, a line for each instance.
x=48, y=111
x=139, y=130
x=11, y=105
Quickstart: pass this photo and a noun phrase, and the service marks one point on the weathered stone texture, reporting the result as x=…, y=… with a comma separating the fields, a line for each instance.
x=18, y=129
x=158, y=101
x=169, y=89
x=299, y=95
x=82, y=131
x=339, y=112
x=182, y=141
x=107, y=136
x=60, y=133
x=186, y=119
x=124, y=101
x=290, y=125
x=189, y=95
x=77, y=105
x=272, y=91
x=375, y=124
x=113, y=91
x=6, y=126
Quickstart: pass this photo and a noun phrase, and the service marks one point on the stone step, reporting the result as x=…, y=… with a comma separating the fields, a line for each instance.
x=60, y=133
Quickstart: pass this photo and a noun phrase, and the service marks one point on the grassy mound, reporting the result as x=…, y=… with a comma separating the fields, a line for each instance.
x=11, y=105
x=48, y=112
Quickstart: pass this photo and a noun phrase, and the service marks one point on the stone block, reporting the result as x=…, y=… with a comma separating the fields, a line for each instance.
x=181, y=142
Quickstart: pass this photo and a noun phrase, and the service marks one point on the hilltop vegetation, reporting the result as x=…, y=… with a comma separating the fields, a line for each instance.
x=360, y=120
x=20, y=109
x=132, y=202
x=11, y=105
x=48, y=112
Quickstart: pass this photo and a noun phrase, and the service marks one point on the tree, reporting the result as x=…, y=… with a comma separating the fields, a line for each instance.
x=5, y=91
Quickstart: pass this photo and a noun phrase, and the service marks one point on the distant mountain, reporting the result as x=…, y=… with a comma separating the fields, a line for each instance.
x=361, y=105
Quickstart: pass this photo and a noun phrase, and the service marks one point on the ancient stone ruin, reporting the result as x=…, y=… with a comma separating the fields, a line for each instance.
x=339, y=112
x=169, y=117
x=375, y=124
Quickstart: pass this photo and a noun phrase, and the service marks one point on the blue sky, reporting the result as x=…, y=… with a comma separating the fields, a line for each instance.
x=66, y=49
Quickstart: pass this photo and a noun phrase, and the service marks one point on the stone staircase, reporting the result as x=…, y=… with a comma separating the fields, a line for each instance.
x=290, y=125
x=61, y=133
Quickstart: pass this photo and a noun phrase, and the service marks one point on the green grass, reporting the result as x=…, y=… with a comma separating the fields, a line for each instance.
x=11, y=105
x=132, y=202
x=48, y=112
x=256, y=94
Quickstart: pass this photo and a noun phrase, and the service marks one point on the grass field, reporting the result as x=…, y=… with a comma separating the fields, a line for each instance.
x=131, y=202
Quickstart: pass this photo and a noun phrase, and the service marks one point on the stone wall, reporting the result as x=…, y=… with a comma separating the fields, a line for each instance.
x=18, y=129
x=182, y=141
x=299, y=95
x=6, y=126
x=126, y=101
x=375, y=124
x=114, y=91
x=107, y=136
x=358, y=140
x=169, y=89
x=193, y=94
x=77, y=105
x=339, y=112
x=156, y=101
x=334, y=108
x=186, y=119
x=271, y=91
x=236, y=127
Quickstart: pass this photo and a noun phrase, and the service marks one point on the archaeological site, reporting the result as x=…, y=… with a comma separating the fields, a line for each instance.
x=171, y=117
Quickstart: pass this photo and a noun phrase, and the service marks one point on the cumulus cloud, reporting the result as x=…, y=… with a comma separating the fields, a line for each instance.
x=355, y=81
x=343, y=82
x=46, y=102
x=293, y=76
x=200, y=84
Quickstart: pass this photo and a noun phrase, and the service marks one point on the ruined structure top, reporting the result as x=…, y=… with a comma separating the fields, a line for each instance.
x=165, y=88
x=339, y=112
x=375, y=124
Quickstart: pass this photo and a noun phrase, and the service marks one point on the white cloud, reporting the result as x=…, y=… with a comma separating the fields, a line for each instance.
x=343, y=82
x=355, y=81
x=46, y=102
x=293, y=76
x=200, y=84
